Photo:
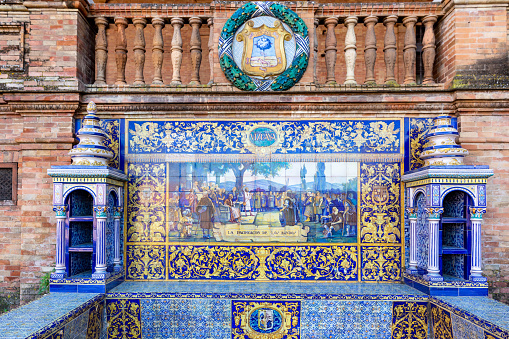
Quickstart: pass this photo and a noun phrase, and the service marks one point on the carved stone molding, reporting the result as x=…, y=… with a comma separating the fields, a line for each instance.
x=269, y=107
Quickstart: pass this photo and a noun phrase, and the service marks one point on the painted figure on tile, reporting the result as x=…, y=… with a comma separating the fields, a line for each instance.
x=204, y=203
x=288, y=213
x=308, y=206
x=247, y=201
x=206, y=210
x=234, y=211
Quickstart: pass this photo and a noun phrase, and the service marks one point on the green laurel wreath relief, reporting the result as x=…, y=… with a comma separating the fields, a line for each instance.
x=290, y=76
x=238, y=18
x=290, y=18
x=235, y=75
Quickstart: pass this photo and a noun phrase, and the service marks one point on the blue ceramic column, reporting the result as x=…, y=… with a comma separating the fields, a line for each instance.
x=476, y=214
x=100, y=244
x=412, y=216
x=434, y=244
x=60, y=268
x=116, y=259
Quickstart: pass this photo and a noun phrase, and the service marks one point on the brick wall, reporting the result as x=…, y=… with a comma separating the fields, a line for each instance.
x=472, y=46
x=485, y=136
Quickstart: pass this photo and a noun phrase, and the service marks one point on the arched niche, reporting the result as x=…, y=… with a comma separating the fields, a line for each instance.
x=80, y=232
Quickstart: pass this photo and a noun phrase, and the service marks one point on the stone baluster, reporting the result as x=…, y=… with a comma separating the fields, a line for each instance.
x=428, y=48
x=176, y=50
x=370, y=49
x=476, y=215
x=116, y=260
x=121, y=50
x=158, y=50
x=331, y=49
x=434, y=244
x=195, y=23
x=390, y=49
x=350, y=50
x=412, y=216
x=101, y=50
x=60, y=268
x=315, y=51
x=210, y=45
x=139, y=50
x=101, y=215
x=409, y=49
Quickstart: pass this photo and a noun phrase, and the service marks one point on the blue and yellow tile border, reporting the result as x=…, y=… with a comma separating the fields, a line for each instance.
x=55, y=329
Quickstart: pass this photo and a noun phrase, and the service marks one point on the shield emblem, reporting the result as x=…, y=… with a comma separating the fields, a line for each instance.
x=265, y=319
x=264, y=50
x=380, y=194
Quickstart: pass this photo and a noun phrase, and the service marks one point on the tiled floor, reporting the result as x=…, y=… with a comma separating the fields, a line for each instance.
x=29, y=318
x=482, y=307
x=265, y=287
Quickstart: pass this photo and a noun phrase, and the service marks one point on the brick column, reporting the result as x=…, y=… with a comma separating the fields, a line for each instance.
x=350, y=50
x=139, y=50
x=101, y=50
x=158, y=50
x=390, y=49
x=428, y=48
x=121, y=50
x=331, y=49
x=176, y=51
x=370, y=49
x=195, y=50
x=409, y=49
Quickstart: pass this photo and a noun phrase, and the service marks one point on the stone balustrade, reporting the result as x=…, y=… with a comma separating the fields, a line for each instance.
x=327, y=32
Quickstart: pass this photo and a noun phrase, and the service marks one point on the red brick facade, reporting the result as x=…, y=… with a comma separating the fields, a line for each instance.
x=47, y=62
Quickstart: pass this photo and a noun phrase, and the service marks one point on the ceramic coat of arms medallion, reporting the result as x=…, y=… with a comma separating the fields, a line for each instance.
x=265, y=319
x=264, y=46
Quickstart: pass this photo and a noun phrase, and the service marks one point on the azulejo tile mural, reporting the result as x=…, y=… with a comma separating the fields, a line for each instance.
x=417, y=135
x=124, y=318
x=380, y=203
x=410, y=320
x=276, y=138
x=192, y=217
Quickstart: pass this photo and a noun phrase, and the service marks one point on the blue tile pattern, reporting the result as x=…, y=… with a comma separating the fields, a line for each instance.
x=464, y=329
x=46, y=315
x=297, y=137
x=77, y=328
x=454, y=205
x=110, y=232
x=269, y=289
x=346, y=319
x=422, y=231
x=483, y=311
x=203, y=318
x=453, y=265
x=80, y=233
